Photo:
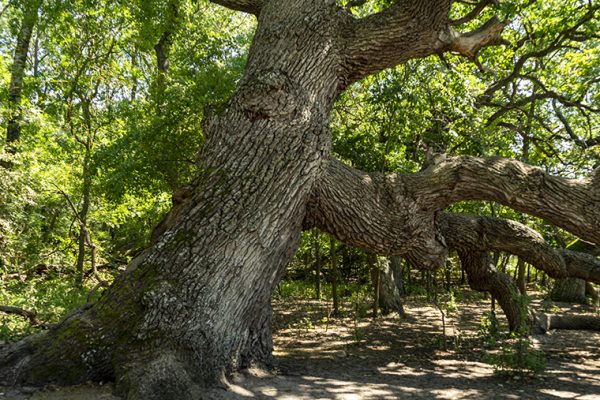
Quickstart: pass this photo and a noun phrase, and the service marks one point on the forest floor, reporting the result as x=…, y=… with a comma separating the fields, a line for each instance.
x=395, y=358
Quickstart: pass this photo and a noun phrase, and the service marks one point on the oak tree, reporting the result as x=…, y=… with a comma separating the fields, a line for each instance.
x=195, y=306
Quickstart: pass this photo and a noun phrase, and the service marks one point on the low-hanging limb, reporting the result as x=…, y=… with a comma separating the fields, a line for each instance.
x=572, y=204
x=398, y=214
x=485, y=234
x=484, y=277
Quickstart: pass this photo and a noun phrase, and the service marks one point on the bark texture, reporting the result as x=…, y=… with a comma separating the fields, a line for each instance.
x=196, y=305
x=570, y=290
x=390, y=286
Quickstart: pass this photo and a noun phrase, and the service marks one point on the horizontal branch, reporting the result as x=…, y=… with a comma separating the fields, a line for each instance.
x=484, y=234
x=399, y=214
x=375, y=212
x=572, y=204
x=248, y=6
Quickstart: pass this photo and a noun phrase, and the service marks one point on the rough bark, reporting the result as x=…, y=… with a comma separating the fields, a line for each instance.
x=483, y=276
x=196, y=305
x=570, y=290
x=391, y=287
x=30, y=16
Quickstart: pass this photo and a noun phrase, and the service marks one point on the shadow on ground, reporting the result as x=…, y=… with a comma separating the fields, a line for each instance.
x=394, y=358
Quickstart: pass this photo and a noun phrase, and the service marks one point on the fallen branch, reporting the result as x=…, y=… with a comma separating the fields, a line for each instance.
x=29, y=314
x=547, y=322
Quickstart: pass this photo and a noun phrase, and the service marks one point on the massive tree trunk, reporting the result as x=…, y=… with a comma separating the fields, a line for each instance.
x=196, y=305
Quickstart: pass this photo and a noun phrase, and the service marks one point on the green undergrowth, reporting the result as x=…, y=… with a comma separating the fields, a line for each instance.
x=51, y=299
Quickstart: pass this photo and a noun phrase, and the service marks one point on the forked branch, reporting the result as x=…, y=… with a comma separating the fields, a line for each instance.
x=410, y=29
x=399, y=214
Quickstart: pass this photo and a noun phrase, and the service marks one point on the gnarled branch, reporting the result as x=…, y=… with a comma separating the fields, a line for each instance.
x=572, y=204
x=399, y=214
x=248, y=6
x=410, y=29
x=484, y=234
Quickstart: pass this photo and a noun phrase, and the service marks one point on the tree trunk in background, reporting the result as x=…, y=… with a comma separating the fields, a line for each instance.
x=592, y=293
x=569, y=290
x=573, y=290
x=162, y=49
x=521, y=277
x=391, y=287
x=30, y=17
x=84, y=238
x=334, y=277
x=376, y=283
x=317, y=244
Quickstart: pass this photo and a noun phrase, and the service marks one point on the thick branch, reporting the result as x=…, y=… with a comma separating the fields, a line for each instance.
x=483, y=234
x=248, y=6
x=395, y=214
x=375, y=212
x=484, y=277
x=469, y=44
x=572, y=204
x=407, y=30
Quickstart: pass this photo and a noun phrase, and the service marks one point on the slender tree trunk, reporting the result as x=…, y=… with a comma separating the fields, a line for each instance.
x=84, y=234
x=521, y=283
x=376, y=282
x=162, y=49
x=317, y=244
x=30, y=17
x=334, y=277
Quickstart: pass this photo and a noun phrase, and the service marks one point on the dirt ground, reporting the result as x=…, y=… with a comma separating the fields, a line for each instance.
x=393, y=358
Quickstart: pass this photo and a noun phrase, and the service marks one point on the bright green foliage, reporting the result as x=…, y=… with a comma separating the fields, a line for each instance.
x=92, y=122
